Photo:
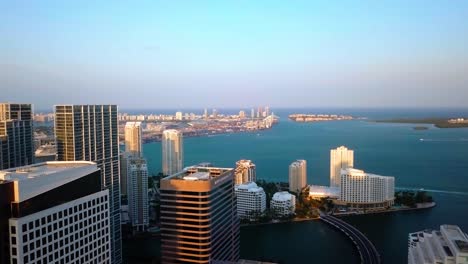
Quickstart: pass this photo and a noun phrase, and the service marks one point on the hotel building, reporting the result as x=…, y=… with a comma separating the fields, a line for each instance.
x=137, y=193
x=172, y=152
x=251, y=199
x=449, y=245
x=244, y=172
x=16, y=135
x=366, y=191
x=199, y=222
x=90, y=132
x=297, y=176
x=54, y=212
x=340, y=158
x=283, y=203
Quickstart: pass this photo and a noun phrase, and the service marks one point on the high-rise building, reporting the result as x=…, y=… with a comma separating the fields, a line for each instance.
x=179, y=116
x=215, y=113
x=16, y=135
x=90, y=132
x=54, y=212
x=297, y=176
x=133, y=138
x=244, y=172
x=449, y=245
x=172, y=151
x=242, y=114
x=340, y=158
x=205, y=113
x=251, y=200
x=137, y=193
x=364, y=190
x=124, y=156
x=252, y=113
x=199, y=222
x=283, y=204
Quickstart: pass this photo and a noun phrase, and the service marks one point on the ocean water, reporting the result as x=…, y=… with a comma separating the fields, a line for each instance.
x=433, y=159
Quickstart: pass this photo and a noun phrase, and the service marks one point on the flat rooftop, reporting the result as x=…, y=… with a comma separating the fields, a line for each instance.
x=38, y=178
x=198, y=173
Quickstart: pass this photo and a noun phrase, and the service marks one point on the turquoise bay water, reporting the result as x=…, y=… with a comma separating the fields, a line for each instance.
x=438, y=162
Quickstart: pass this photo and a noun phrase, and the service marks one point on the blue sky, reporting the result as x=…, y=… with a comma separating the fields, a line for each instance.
x=189, y=54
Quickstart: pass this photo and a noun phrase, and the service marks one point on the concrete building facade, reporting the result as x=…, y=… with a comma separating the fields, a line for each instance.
x=172, y=151
x=251, y=200
x=340, y=158
x=297, y=176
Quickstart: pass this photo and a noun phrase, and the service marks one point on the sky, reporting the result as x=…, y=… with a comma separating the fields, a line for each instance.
x=228, y=54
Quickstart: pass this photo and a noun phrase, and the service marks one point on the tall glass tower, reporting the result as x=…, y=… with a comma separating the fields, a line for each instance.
x=90, y=133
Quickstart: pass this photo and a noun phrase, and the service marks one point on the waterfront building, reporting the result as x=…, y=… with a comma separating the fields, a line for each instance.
x=244, y=172
x=178, y=116
x=90, y=132
x=133, y=140
x=252, y=113
x=340, y=158
x=251, y=200
x=172, y=151
x=137, y=193
x=16, y=135
x=205, y=113
x=449, y=245
x=242, y=114
x=297, y=176
x=54, y=212
x=199, y=222
x=283, y=203
x=364, y=190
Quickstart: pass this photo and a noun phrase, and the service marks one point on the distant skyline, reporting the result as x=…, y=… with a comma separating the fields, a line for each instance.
x=235, y=54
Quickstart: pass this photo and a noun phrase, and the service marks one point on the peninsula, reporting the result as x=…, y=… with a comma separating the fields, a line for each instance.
x=318, y=117
x=437, y=122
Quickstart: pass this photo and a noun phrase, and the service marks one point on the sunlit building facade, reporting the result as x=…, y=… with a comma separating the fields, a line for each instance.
x=199, y=222
x=172, y=151
x=340, y=158
x=90, y=133
x=251, y=200
x=364, y=190
x=245, y=172
x=297, y=176
x=283, y=204
x=16, y=135
x=133, y=141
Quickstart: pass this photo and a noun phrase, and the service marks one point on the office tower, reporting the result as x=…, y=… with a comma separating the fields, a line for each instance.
x=205, y=113
x=244, y=172
x=179, y=116
x=283, y=204
x=137, y=192
x=172, y=151
x=297, y=176
x=124, y=157
x=340, y=158
x=16, y=135
x=252, y=113
x=251, y=200
x=54, y=212
x=449, y=245
x=364, y=190
x=90, y=132
x=133, y=138
x=199, y=222
x=259, y=111
x=267, y=110
x=215, y=113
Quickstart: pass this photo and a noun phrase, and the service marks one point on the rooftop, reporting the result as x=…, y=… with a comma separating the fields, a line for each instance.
x=46, y=150
x=249, y=186
x=41, y=177
x=198, y=173
x=282, y=196
x=357, y=172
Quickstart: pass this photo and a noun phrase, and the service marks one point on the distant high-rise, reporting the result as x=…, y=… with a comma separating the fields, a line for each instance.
x=172, y=151
x=252, y=113
x=199, y=222
x=297, y=175
x=340, y=158
x=90, y=132
x=242, y=114
x=179, y=116
x=16, y=135
x=137, y=193
x=205, y=113
x=244, y=172
x=54, y=212
x=133, y=138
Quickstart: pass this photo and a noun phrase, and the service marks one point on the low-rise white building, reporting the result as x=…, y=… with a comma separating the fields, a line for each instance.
x=449, y=245
x=364, y=190
x=283, y=203
x=250, y=199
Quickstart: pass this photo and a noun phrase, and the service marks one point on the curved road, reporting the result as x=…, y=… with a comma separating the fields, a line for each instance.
x=367, y=250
